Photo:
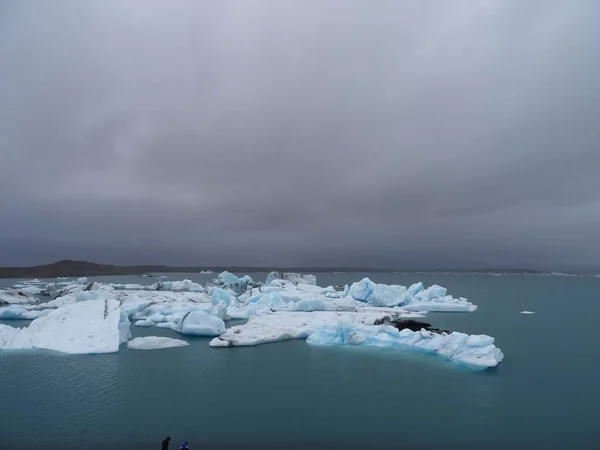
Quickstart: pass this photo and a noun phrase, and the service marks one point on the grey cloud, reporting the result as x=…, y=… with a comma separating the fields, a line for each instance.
x=405, y=134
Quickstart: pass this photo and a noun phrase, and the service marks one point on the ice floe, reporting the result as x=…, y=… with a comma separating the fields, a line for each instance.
x=475, y=351
x=284, y=325
x=16, y=296
x=527, y=312
x=155, y=342
x=81, y=328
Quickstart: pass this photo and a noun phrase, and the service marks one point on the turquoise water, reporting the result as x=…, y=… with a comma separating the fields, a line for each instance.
x=545, y=393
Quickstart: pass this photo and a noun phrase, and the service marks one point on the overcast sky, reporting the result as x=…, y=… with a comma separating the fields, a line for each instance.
x=409, y=134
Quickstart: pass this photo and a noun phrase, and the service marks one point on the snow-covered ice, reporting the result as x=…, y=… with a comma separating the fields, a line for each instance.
x=199, y=323
x=476, y=351
x=12, y=338
x=154, y=342
x=284, y=325
x=293, y=277
x=81, y=328
x=16, y=296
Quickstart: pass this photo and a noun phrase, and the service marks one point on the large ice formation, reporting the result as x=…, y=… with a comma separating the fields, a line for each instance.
x=476, y=351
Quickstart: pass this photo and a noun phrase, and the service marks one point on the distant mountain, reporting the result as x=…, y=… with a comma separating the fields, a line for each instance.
x=68, y=268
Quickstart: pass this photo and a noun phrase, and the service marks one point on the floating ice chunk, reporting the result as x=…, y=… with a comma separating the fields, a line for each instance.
x=12, y=338
x=130, y=286
x=361, y=290
x=221, y=297
x=88, y=327
x=477, y=352
x=154, y=342
x=527, y=312
x=33, y=290
x=124, y=328
x=185, y=285
x=229, y=280
x=132, y=304
x=14, y=296
x=82, y=280
x=431, y=293
x=21, y=313
x=284, y=325
x=441, y=304
x=292, y=277
x=379, y=294
x=415, y=288
x=199, y=323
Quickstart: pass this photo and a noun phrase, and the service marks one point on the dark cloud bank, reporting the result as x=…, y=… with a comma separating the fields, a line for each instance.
x=401, y=134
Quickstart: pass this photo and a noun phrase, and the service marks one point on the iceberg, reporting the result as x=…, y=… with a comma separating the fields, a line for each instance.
x=185, y=285
x=12, y=338
x=284, y=325
x=379, y=294
x=292, y=277
x=14, y=312
x=124, y=327
x=81, y=328
x=16, y=296
x=527, y=312
x=441, y=304
x=154, y=342
x=33, y=290
x=221, y=297
x=82, y=280
x=199, y=323
x=477, y=351
x=230, y=281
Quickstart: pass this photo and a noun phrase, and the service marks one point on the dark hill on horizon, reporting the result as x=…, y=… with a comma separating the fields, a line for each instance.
x=68, y=268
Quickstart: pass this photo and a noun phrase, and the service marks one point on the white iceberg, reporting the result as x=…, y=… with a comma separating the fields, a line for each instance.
x=16, y=296
x=199, y=323
x=33, y=290
x=12, y=338
x=154, y=342
x=81, y=328
x=527, y=312
x=231, y=281
x=82, y=280
x=284, y=325
x=185, y=285
x=441, y=304
x=292, y=277
x=477, y=351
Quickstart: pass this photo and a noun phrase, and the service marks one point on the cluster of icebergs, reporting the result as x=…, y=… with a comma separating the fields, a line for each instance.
x=81, y=317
